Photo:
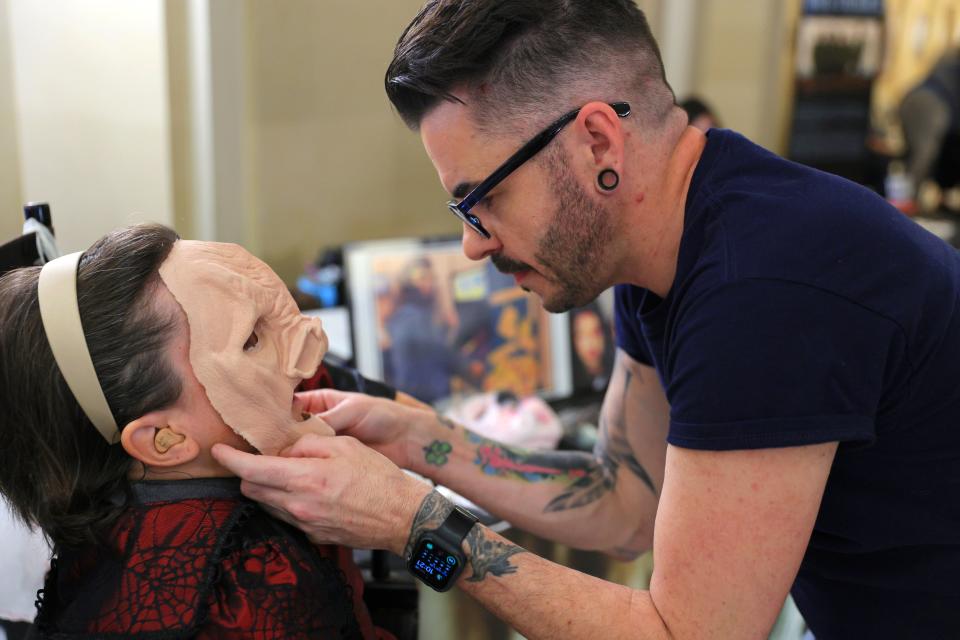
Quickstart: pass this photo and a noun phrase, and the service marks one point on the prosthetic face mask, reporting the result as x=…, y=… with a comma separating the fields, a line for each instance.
x=249, y=345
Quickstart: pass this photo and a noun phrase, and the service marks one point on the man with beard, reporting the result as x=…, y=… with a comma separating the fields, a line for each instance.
x=784, y=400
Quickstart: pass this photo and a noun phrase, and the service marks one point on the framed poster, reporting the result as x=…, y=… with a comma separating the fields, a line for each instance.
x=431, y=322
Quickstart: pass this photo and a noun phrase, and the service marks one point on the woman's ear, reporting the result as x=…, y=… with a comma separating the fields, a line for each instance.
x=156, y=443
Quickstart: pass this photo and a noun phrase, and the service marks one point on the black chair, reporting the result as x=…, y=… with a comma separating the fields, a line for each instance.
x=22, y=251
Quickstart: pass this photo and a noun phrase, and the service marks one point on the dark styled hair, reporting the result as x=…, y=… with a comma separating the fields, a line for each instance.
x=516, y=59
x=56, y=470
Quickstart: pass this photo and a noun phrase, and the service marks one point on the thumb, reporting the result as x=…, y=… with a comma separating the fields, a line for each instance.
x=309, y=446
x=320, y=400
x=347, y=413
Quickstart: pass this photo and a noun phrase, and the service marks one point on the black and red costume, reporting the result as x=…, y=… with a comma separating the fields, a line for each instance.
x=194, y=558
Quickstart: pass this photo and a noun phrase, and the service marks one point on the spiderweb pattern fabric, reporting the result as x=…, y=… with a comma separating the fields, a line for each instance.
x=206, y=567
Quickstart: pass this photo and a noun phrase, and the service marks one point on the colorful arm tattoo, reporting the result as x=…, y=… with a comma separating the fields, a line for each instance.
x=496, y=459
x=436, y=452
x=589, y=478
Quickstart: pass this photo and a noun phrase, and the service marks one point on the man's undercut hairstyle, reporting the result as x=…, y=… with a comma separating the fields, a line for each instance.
x=56, y=470
x=515, y=62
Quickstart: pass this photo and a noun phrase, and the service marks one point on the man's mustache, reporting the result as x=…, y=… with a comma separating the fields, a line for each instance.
x=506, y=265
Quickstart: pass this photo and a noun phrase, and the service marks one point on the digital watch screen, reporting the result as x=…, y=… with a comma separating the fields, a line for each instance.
x=437, y=557
x=435, y=565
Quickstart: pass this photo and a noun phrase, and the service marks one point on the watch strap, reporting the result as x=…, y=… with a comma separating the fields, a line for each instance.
x=456, y=527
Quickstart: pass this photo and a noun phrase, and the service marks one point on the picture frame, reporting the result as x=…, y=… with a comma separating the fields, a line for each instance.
x=429, y=321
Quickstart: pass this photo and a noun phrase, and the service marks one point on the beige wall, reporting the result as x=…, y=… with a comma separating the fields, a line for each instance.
x=10, y=200
x=90, y=91
x=308, y=151
x=740, y=47
x=331, y=161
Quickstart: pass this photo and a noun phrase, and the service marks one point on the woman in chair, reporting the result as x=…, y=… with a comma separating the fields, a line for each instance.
x=119, y=370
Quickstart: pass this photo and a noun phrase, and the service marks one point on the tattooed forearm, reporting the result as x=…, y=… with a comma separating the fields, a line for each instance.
x=496, y=459
x=489, y=556
x=436, y=452
x=615, y=452
x=582, y=492
x=612, y=451
x=486, y=556
x=618, y=450
x=433, y=511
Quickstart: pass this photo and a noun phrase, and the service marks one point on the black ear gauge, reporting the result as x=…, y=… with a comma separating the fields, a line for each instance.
x=608, y=179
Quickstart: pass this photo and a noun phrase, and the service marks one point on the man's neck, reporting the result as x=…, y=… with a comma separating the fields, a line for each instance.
x=655, y=266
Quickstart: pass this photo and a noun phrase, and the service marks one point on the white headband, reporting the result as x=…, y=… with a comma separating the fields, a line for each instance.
x=57, y=292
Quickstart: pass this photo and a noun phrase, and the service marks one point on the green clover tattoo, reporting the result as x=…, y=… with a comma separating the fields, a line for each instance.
x=437, y=452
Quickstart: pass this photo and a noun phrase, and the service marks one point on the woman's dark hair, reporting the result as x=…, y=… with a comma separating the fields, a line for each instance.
x=56, y=470
x=518, y=57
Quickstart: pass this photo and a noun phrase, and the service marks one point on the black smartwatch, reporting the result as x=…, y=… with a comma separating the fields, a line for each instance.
x=437, y=558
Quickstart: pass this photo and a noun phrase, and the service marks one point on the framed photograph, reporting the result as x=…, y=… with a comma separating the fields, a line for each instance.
x=592, y=345
x=431, y=322
x=839, y=46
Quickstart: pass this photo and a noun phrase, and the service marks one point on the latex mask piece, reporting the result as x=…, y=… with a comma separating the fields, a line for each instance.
x=249, y=344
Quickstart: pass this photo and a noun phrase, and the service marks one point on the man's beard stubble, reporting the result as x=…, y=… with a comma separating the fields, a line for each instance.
x=572, y=249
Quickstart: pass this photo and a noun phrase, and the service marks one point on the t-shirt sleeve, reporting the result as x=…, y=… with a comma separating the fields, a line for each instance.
x=626, y=325
x=768, y=363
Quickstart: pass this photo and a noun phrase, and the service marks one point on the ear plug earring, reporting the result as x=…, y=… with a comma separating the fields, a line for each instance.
x=608, y=179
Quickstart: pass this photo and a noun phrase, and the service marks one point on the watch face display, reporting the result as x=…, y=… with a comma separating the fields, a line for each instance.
x=433, y=564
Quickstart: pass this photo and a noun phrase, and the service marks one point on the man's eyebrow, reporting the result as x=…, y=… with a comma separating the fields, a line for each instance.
x=462, y=189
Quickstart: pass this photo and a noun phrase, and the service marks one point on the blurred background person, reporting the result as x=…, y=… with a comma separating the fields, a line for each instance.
x=930, y=117
x=422, y=357
x=701, y=115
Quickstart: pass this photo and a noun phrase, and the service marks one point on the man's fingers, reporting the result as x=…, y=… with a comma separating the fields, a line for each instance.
x=344, y=415
x=312, y=401
x=264, y=470
x=320, y=400
x=311, y=446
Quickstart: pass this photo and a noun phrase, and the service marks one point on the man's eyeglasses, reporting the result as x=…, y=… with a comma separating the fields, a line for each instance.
x=535, y=145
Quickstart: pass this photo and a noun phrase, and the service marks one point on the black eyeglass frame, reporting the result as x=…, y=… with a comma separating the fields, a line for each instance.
x=533, y=147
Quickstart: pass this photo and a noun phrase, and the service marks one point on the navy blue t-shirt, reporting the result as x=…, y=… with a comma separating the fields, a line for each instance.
x=805, y=310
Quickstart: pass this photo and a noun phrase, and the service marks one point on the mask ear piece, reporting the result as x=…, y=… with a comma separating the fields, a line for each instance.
x=167, y=438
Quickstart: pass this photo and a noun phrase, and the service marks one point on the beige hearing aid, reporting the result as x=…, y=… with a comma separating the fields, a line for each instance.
x=167, y=438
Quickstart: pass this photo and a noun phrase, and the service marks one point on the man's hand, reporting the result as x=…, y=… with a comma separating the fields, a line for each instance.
x=384, y=425
x=334, y=489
